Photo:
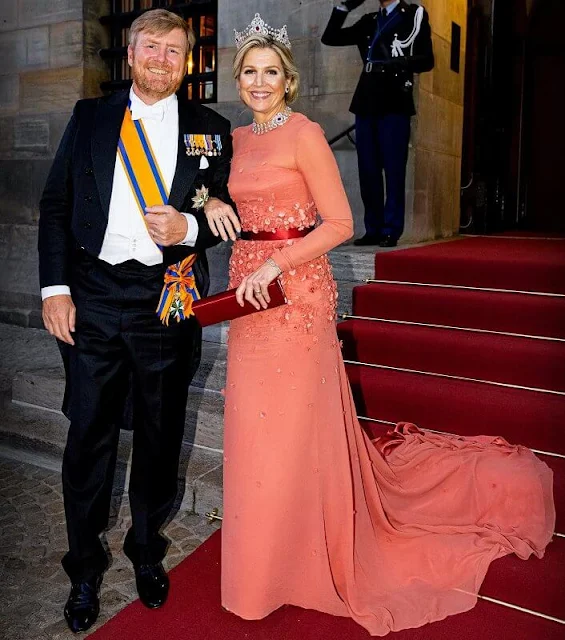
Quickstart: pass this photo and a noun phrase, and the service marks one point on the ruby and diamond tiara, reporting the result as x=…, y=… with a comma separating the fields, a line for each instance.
x=259, y=27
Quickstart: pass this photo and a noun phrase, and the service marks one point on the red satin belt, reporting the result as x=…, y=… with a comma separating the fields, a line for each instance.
x=279, y=234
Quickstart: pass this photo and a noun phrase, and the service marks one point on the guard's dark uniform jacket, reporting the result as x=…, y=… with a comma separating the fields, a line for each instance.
x=386, y=82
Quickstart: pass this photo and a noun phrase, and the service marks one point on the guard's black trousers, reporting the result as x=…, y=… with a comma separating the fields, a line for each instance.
x=123, y=355
x=382, y=147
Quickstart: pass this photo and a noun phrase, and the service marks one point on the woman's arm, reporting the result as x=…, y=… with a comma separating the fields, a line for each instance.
x=316, y=162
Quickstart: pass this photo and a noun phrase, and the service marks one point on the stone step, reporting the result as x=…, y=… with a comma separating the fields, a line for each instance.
x=211, y=374
x=209, y=492
x=27, y=432
x=21, y=317
x=352, y=264
x=42, y=392
x=204, y=424
x=42, y=431
x=200, y=473
x=31, y=373
x=216, y=333
x=24, y=350
x=44, y=385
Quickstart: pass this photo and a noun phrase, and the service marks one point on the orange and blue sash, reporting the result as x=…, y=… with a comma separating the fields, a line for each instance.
x=149, y=189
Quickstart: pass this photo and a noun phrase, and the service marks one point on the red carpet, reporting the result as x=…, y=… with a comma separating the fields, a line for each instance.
x=513, y=312
x=456, y=353
x=498, y=263
x=526, y=234
x=533, y=584
x=558, y=467
x=193, y=612
x=466, y=407
x=469, y=407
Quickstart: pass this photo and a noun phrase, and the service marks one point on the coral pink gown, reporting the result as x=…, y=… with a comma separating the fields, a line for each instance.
x=314, y=514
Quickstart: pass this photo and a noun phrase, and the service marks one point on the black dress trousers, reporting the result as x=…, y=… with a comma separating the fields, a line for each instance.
x=122, y=351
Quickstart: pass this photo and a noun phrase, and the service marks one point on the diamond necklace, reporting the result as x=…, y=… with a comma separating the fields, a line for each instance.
x=259, y=128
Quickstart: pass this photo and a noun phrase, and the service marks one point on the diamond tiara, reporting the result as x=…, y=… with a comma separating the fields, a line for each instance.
x=259, y=27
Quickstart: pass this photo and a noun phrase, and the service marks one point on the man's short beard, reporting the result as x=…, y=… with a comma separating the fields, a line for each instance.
x=148, y=90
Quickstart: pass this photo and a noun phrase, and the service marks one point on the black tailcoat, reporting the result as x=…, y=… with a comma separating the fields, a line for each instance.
x=126, y=368
x=76, y=200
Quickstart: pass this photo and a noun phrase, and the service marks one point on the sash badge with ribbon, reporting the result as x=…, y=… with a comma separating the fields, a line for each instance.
x=148, y=186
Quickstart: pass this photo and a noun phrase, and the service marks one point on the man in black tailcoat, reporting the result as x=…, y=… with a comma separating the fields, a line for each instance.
x=394, y=43
x=102, y=266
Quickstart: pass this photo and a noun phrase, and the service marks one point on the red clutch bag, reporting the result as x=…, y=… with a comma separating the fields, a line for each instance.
x=223, y=306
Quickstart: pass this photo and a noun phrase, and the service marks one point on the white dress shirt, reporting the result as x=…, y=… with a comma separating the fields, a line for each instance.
x=391, y=7
x=126, y=236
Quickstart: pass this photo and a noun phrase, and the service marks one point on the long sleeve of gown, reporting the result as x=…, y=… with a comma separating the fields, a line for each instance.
x=317, y=164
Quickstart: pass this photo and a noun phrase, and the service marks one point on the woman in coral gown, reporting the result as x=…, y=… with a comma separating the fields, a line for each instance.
x=393, y=533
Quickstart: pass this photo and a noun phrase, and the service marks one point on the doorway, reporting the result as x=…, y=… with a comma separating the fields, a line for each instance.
x=543, y=167
x=514, y=131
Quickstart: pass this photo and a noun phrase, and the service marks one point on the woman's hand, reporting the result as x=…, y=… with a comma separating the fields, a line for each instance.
x=253, y=287
x=221, y=219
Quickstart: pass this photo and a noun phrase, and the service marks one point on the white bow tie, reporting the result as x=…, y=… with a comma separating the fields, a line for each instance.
x=148, y=112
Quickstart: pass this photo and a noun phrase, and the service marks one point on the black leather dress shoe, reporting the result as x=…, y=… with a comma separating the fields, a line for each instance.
x=83, y=605
x=388, y=241
x=152, y=584
x=367, y=240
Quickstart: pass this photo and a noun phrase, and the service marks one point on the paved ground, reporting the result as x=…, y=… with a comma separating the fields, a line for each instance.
x=33, y=586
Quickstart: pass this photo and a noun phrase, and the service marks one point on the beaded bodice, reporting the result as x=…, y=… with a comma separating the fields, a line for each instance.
x=278, y=181
x=269, y=191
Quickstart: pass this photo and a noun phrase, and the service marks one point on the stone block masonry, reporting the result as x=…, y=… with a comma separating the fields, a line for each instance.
x=48, y=60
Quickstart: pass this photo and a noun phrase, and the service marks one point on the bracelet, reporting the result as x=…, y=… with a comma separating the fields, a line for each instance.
x=272, y=263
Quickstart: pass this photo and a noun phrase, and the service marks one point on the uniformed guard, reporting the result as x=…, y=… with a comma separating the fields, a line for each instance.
x=394, y=43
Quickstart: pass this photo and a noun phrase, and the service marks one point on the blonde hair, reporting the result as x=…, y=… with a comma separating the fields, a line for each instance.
x=160, y=22
x=290, y=69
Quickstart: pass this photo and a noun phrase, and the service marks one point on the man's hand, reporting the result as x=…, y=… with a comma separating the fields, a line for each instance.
x=352, y=4
x=59, y=315
x=166, y=225
x=221, y=219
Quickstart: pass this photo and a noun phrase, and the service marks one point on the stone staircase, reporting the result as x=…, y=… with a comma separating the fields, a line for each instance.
x=32, y=387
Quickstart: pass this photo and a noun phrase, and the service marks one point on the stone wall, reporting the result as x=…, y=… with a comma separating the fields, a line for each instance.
x=48, y=60
x=434, y=180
